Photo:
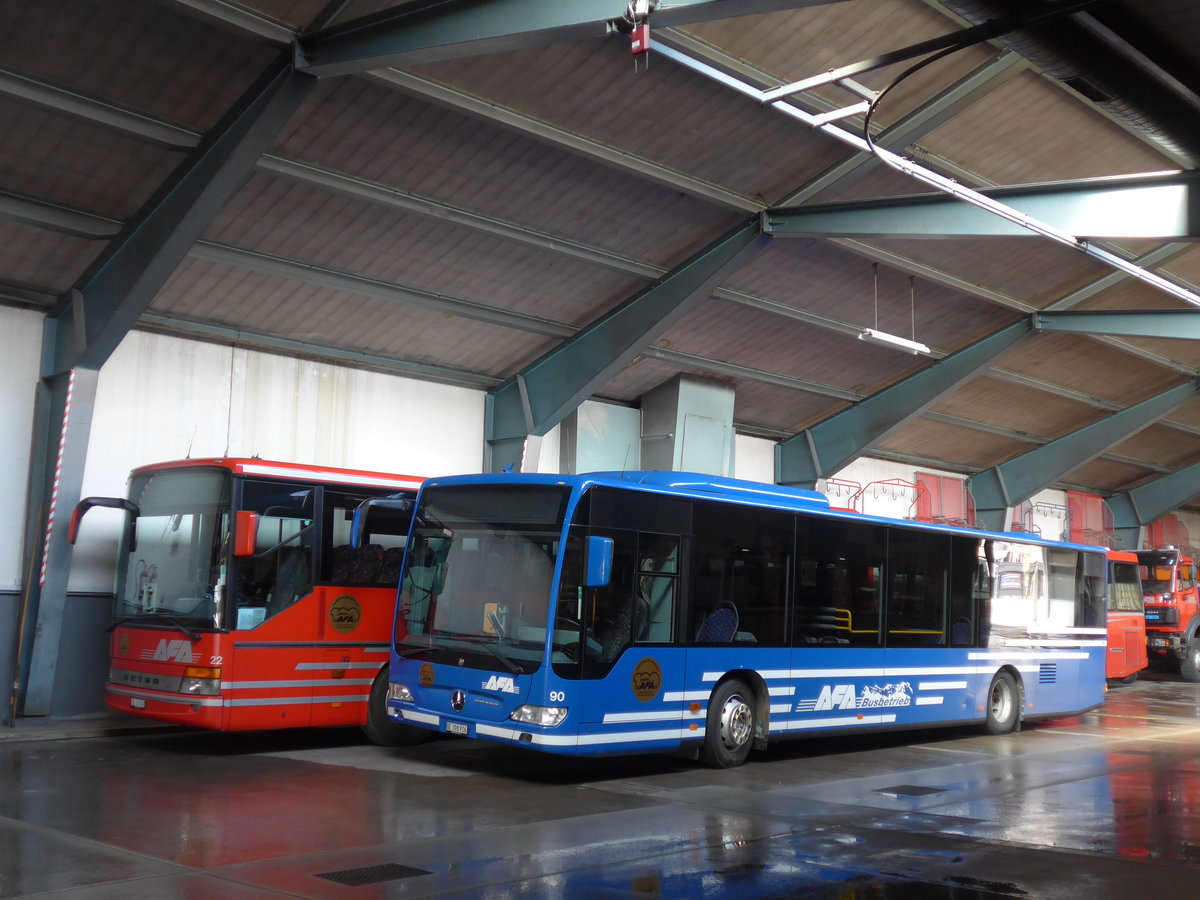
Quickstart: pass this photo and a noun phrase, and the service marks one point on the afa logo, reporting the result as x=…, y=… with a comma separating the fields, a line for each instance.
x=647, y=679
x=502, y=683
x=344, y=614
x=172, y=651
x=844, y=696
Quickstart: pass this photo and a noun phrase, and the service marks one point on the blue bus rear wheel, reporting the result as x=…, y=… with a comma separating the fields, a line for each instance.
x=1003, y=704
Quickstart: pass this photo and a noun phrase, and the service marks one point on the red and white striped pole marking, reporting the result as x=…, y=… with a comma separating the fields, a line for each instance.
x=58, y=466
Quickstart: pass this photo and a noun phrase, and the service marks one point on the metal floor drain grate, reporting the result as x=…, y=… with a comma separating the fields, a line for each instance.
x=373, y=874
x=909, y=790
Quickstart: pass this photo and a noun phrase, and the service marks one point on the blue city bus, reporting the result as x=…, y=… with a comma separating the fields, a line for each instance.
x=645, y=612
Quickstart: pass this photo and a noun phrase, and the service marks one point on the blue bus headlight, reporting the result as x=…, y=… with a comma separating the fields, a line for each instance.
x=546, y=716
x=399, y=693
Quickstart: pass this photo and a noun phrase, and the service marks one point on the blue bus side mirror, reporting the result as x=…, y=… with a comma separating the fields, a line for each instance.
x=598, y=561
x=358, y=523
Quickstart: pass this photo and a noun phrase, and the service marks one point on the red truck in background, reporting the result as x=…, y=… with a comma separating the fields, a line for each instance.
x=1172, y=611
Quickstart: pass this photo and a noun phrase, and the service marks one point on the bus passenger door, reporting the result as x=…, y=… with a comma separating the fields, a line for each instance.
x=633, y=672
x=274, y=612
x=357, y=600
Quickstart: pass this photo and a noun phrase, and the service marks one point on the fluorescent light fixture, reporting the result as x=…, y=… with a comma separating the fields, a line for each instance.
x=883, y=339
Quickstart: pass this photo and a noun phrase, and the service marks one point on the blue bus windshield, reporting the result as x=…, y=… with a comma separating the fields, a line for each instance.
x=479, y=574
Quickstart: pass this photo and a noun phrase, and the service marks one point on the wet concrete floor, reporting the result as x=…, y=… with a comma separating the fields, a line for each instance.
x=1105, y=805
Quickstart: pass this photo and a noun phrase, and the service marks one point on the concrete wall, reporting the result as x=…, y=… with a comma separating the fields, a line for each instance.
x=20, y=356
x=163, y=397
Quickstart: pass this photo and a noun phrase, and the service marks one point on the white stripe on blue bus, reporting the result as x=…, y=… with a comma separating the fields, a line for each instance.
x=839, y=722
x=666, y=715
x=929, y=701
x=424, y=718
x=685, y=696
x=940, y=685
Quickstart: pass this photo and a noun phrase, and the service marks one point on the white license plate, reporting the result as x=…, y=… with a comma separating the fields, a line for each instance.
x=457, y=728
x=137, y=702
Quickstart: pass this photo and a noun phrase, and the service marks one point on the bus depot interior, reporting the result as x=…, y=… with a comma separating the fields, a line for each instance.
x=729, y=448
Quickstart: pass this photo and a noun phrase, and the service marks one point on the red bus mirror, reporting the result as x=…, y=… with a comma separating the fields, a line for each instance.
x=245, y=533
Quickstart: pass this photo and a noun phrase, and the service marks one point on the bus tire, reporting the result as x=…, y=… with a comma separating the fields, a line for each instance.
x=1003, y=704
x=382, y=729
x=1189, y=663
x=729, y=730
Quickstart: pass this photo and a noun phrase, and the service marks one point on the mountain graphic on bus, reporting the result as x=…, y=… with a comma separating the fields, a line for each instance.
x=885, y=695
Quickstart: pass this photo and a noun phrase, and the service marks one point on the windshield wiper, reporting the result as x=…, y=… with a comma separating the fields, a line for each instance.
x=486, y=647
x=157, y=616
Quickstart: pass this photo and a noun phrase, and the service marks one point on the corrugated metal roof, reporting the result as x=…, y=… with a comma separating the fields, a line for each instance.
x=540, y=188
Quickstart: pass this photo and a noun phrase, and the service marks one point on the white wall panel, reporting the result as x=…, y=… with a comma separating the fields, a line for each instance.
x=20, y=353
x=158, y=396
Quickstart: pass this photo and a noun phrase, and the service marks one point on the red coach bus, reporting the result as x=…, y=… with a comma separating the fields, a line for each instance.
x=242, y=601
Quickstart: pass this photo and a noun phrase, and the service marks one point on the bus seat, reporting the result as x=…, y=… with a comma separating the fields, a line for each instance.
x=368, y=561
x=719, y=626
x=960, y=633
x=389, y=572
x=343, y=562
x=293, y=579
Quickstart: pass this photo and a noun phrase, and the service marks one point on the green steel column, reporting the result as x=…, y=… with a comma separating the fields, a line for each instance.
x=90, y=321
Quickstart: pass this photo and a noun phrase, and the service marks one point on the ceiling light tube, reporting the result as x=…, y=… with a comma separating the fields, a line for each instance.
x=883, y=339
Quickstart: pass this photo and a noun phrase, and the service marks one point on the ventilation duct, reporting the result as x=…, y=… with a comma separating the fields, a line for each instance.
x=1087, y=57
x=687, y=426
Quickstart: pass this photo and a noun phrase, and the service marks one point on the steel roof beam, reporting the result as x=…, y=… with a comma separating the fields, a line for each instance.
x=1157, y=257
x=121, y=283
x=255, y=340
x=539, y=396
x=998, y=489
x=370, y=287
x=71, y=221
x=1160, y=206
x=1156, y=323
x=834, y=443
x=1136, y=508
x=616, y=157
x=930, y=115
x=433, y=30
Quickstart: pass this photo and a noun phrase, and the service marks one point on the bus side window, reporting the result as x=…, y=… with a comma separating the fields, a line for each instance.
x=657, y=586
x=742, y=562
x=839, y=589
x=280, y=572
x=377, y=561
x=918, y=574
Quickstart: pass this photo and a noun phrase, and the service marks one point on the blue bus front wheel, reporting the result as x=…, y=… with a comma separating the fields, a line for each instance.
x=382, y=729
x=729, y=730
